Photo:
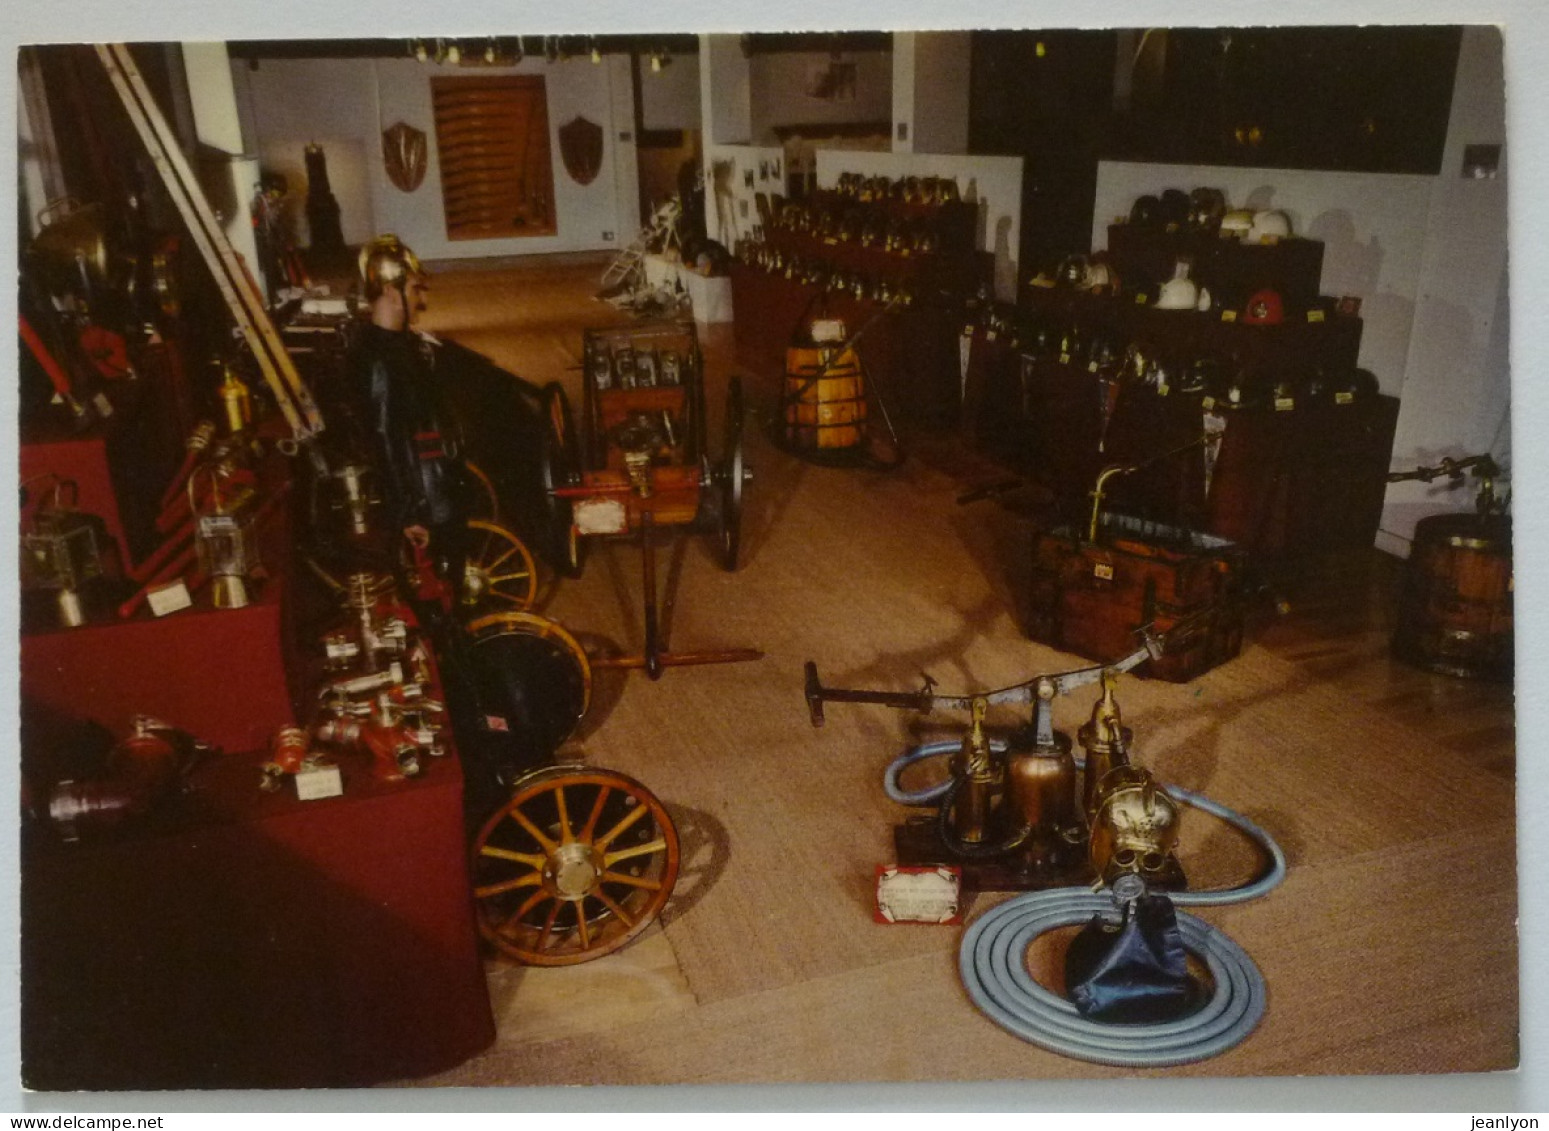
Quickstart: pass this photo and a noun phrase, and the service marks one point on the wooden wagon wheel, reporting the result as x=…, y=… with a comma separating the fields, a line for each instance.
x=573, y=867
x=483, y=502
x=492, y=624
x=498, y=570
x=561, y=467
x=729, y=480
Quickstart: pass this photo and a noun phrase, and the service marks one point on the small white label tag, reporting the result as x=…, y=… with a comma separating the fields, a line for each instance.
x=318, y=782
x=827, y=330
x=169, y=598
x=1103, y=571
x=1344, y=398
x=600, y=516
x=918, y=895
x=1315, y=316
x=1284, y=404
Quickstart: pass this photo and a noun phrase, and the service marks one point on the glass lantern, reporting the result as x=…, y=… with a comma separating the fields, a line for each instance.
x=64, y=552
x=228, y=553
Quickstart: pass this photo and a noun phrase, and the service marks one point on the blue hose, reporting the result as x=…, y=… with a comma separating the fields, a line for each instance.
x=992, y=965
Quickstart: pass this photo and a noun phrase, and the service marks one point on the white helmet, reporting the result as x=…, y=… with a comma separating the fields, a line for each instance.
x=1179, y=292
x=1237, y=222
x=1269, y=225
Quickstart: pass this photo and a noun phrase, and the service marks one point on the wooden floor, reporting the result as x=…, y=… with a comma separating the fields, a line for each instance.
x=1390, y=949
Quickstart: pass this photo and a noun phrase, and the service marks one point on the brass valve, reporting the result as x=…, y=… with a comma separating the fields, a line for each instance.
x=979, y=776
x=1106, y=740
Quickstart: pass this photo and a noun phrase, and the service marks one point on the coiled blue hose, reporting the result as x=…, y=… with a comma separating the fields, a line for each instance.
x=993, y=971
x=991, y=960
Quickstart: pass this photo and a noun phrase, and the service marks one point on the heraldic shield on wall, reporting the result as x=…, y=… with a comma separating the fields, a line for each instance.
x=403, y=152
x=580, y=144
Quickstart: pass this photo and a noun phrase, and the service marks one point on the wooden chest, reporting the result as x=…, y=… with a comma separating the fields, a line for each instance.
x=1090, y=597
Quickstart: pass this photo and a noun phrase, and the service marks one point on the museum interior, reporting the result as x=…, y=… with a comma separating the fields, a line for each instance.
x=765, y=559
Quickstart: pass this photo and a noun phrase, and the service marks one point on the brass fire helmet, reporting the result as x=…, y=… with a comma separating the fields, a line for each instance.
x=387, y=262
x=1134, y=825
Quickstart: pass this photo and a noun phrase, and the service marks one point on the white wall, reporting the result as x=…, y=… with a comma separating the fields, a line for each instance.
x=995, y=183
x=669, y=98
x=733, y=217
x=1372, y=227
x=1457, y=388
x=344, y=105
x=725, y=100
x=777, y=89
x=930, y=91
x=287, y=104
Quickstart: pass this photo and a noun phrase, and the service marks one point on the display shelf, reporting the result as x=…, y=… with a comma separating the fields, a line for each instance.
x=1231, y=269
x=1285, y=484
x=1330, y=340
x=243, y=939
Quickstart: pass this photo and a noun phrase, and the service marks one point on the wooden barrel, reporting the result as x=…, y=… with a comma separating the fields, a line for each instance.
x=1455, y=615
x=825, y=398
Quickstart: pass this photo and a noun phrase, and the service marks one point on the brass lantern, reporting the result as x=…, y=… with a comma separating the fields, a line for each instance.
x=63, y=551
x=225, y=542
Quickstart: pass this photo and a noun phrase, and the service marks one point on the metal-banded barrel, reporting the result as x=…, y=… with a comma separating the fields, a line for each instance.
x=1455, y=615
x=825, y=398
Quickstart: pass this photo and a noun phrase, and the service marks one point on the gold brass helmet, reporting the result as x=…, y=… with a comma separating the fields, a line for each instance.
x=1134, y=825
x=387, y=262
x=72, y=248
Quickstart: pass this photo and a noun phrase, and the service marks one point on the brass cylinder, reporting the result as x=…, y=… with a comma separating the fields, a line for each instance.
x=1042, y=785
x=229, y=591
x=980, y=779
x=1106, y=741
x=971, y=812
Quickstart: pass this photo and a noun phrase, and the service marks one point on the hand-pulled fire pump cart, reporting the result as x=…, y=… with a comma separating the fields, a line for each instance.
x=640, y=460
x=568, y=862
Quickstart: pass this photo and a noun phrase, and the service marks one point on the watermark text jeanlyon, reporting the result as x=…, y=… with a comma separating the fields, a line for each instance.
x=1504, y=1122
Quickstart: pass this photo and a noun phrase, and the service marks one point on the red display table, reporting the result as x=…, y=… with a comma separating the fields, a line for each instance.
x=241, y=939
x=220, y=674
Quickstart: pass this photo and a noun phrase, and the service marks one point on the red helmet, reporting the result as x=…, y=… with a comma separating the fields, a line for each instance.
x=1264, y=308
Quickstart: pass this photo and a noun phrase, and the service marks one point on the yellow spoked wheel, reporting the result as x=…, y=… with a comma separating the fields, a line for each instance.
x=498, y=571
x=573, y=867
x=491, y=625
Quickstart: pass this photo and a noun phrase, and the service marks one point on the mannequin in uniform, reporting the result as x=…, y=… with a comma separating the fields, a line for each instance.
x=405, y=408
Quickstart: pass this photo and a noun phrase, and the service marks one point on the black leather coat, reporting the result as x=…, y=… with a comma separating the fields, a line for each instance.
x=418, y=446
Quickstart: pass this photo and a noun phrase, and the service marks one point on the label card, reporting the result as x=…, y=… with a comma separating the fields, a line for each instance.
x=317, y=782
x=600, y=516
x=169, y=598
x=907, y=894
